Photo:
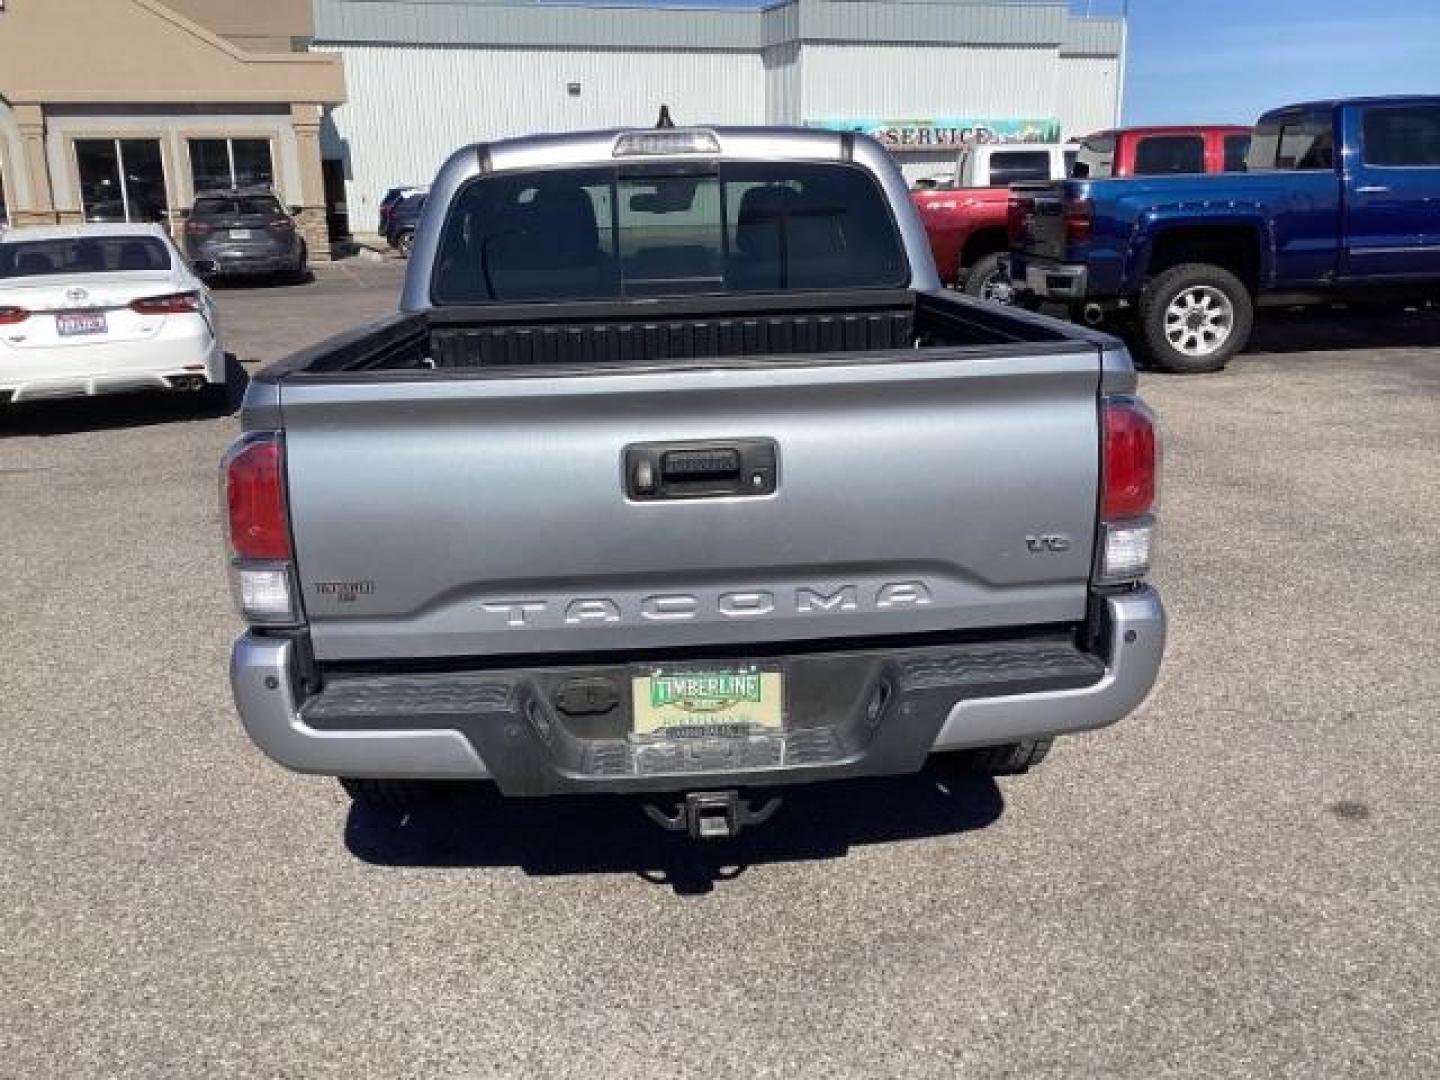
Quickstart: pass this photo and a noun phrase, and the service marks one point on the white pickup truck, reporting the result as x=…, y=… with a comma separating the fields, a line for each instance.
x=679, y=474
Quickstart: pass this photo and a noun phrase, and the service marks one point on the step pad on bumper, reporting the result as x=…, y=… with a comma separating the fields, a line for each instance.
x=409, y=700
x=1001, y=669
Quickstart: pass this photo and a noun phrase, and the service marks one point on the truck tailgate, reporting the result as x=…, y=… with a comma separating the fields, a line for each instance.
x=482, y=515
x=1038, y=219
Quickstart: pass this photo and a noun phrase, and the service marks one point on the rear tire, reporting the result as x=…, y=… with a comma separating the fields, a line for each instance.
x=392, y=794
x=1193, y=318
x=983, y=278
x=405, y=243
x=299, y=274
x=1012, y=759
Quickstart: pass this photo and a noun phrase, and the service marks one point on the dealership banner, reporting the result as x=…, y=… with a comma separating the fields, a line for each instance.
x=947, y=131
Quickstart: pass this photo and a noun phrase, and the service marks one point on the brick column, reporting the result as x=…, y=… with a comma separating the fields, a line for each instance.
x=311, y=219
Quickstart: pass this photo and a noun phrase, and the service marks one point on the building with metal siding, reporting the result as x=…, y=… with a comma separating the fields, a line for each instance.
x=427, y=76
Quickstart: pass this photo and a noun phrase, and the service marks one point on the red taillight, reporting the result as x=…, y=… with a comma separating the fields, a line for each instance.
x=255, y=498
x=1128, y=471
x=173, y=304
x=9, y=316
x=282, y=225
x=1079, y=221
x=196, y=228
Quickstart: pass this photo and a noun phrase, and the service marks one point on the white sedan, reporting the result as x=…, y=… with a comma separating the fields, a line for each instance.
x=99, y=309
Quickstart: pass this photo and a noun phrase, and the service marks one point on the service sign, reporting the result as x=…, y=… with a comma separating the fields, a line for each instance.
x=947, y=132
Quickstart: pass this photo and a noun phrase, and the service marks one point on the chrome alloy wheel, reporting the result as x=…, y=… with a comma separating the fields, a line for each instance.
x=1199, y=320
x=997, y=289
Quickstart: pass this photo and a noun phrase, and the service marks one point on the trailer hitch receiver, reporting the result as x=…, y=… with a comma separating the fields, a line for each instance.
x=713, y=815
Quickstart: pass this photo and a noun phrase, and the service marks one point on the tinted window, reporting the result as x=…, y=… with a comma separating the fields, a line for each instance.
x=87, y=255
x=249, y=206
x=938, y=182
x=1014, y=166
x=1293, y=141
x=230, y=163
x=1403, y=136
x=1096, y=159
x=655, y=231
x=210, y=163
x=1237, y=149
x=1306, y=145
x=1162, y=154
x=1264, y=146
x=253, y=167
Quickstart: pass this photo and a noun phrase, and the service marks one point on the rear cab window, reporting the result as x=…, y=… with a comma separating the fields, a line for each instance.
x=1401, y=136
x=1301, y=141
x=609, y=232
x=1016, y=166
x=84, y=255
x=1163, y=155
x=1237, y=150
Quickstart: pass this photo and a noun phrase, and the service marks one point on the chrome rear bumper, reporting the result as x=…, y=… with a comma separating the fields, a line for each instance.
x=929, y=712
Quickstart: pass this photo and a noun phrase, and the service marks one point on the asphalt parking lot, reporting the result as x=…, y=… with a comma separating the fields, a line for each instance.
x=1243, y=879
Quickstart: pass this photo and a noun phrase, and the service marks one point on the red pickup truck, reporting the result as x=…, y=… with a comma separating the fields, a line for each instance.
x=965, y=219
x=966, y=222
x=1161, y=151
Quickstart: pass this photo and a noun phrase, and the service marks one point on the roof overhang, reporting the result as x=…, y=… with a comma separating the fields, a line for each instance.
x=142, y=52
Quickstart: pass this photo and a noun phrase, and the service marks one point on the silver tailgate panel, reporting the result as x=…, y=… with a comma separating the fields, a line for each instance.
x=482, y=516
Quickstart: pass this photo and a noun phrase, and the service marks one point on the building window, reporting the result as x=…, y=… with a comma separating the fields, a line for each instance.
x=121, y=179
x=216, y=164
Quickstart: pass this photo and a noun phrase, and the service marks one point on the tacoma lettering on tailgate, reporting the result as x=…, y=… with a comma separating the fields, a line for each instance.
x=744, y=604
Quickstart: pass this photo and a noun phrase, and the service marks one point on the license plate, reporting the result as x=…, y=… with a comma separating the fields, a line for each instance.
x=76, y=323
x=695, y=703
x=239, y=234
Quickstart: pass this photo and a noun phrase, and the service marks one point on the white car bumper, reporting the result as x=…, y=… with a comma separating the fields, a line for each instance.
x=166, y=362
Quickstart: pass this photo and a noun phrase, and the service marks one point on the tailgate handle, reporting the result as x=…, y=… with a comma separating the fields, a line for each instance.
x=738, y=468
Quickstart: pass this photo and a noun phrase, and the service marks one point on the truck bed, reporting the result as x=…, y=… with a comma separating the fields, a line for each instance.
x=579, y=334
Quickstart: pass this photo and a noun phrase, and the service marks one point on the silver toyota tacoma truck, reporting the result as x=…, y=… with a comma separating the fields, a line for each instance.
x=678, y=474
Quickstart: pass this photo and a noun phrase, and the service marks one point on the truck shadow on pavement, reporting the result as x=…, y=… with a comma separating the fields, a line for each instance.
x=1322, y=331
x=611, y=834
x=70, y=416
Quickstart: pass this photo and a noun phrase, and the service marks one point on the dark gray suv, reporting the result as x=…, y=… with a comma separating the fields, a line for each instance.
x=244, y=233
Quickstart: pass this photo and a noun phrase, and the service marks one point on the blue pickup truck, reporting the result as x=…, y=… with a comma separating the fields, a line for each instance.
x=1340, y=201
